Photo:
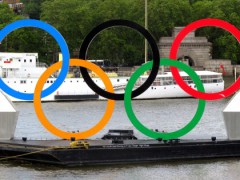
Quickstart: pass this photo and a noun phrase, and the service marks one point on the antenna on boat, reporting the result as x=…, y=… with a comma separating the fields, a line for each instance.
x=146, y=27
x=146, y=42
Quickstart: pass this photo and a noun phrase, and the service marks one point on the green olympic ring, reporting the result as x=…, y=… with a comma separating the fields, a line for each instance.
x=157, y=135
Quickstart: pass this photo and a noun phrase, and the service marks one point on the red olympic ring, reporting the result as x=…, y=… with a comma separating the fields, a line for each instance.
x=174, y=50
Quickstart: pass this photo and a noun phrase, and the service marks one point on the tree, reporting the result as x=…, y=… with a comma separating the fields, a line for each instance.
x=75, y=19
x=32, y=8
x=6, y=15
x=23, y=39
x=164, y=15
x=224, y=45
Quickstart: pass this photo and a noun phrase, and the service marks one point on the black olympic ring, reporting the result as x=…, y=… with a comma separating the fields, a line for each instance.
x=126, y=23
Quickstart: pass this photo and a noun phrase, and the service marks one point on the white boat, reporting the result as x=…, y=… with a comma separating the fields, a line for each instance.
x=21, y=71
x=165, y=86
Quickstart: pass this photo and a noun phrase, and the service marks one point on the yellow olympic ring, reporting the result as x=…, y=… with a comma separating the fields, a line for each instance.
x=45, y=122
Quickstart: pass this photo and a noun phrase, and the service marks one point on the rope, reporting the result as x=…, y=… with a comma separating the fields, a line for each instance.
x=12, y=157
x=73, y=145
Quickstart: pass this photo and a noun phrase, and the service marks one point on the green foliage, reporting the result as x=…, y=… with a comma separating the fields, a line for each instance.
x=76, y=18
x=28, y=40
x=6, y=15
x=164, y=15
x=32, y=8
x=23, y=39
x=224, y=45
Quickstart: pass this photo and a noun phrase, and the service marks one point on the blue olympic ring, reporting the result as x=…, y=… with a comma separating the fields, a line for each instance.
x=63, y=46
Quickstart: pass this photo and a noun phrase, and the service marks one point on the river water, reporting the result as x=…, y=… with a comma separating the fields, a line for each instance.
x=164, y=114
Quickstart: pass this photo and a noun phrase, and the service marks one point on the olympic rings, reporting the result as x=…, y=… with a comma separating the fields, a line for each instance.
x=53, y=129
x=139, y=125
x=38, y=93
x=173, y=55
x=140, y=29
x=64, y=48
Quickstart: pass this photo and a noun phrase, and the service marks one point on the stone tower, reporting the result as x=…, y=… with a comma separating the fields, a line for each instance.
x=194, y=51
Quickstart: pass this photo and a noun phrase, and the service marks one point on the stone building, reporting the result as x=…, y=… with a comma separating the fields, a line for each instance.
x=15, y=5
x=194, y=51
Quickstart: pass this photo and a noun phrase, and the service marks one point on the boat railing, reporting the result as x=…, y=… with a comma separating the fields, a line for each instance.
x=121, y=86
x=165, y=81
x=124, y=73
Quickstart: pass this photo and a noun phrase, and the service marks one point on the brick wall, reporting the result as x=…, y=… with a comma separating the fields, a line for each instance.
x=214, y=65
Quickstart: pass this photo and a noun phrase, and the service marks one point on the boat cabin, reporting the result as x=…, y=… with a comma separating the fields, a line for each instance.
x=167, y=78
x=20, y=65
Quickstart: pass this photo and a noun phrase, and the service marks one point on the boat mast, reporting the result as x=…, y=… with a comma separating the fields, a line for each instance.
x=146, y=27
x=146, y=42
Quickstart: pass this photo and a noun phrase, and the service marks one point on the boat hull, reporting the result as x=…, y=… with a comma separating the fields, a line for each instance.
x=102, y=152
x=73, y=89
x=175, y=91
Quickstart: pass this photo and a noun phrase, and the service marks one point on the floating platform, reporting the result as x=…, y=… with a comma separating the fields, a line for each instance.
x=96, y=152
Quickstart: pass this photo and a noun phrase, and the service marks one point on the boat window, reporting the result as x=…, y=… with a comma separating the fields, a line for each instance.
x=23, y=82
x=25, y=60
x=168, y=78
x=117, y=80
x=186, y=78
x=126, y=79
x=156, y=83
x=167, y=83
x=47, y=81
x=51, y=81
x=19, y=60
x=30, y=60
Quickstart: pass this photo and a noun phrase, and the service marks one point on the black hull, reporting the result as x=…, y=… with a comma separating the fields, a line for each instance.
x=133, y=151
